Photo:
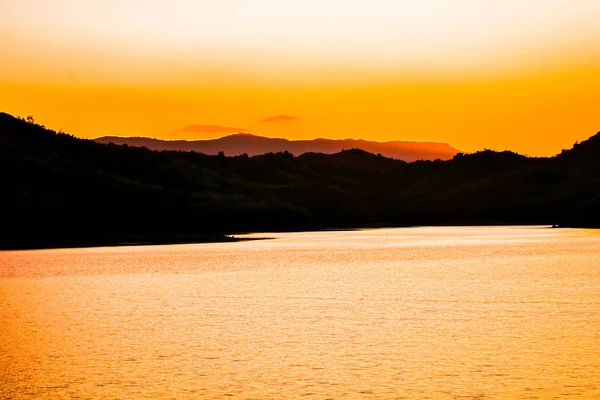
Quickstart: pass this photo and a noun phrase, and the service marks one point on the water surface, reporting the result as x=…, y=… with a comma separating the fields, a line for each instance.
x=467, y=313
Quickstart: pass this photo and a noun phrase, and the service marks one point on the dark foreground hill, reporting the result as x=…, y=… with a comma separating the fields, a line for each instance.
x=58, y=190
x=252, y=145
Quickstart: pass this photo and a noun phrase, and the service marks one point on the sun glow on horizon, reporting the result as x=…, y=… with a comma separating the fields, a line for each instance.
x=489, y=74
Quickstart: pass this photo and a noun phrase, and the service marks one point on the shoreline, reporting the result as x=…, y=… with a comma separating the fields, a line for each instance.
x=229, y=238
x=234, y=237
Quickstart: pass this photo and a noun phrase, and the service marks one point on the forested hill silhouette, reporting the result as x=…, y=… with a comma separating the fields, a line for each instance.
x=58, y=190
x=252, y=145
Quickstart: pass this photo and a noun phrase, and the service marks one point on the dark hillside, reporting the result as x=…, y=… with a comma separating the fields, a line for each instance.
x=58, y=190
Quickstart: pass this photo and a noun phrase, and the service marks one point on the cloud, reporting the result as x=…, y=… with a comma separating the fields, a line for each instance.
x=281, y=118
x=205, y=129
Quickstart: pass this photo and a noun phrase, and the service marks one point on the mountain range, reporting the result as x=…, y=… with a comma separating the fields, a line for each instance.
x=252, y=145
x=61, y=191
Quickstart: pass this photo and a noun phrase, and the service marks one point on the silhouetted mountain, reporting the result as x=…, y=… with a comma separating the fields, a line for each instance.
x=58, y=190
x=586, y=152
x=252, y=145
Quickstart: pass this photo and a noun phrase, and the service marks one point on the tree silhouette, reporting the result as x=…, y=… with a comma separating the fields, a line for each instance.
x=103, y=194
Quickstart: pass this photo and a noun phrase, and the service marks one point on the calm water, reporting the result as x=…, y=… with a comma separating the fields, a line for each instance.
x=471, y=313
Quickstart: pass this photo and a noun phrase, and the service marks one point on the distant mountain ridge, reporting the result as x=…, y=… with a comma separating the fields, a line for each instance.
x=252, y=145
x=58, y=190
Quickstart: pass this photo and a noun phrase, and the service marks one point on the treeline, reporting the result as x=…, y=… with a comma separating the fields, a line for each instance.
x=58, y=190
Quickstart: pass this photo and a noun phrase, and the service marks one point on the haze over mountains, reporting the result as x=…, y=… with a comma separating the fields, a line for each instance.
x=246, y=143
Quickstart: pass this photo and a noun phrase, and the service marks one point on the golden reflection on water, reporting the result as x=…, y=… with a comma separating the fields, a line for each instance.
x=476, y=313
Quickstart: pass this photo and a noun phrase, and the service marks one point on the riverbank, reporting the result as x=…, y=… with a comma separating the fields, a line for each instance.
x=137, y=241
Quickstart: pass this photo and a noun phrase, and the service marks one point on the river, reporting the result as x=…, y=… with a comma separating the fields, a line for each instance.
x=432, y=312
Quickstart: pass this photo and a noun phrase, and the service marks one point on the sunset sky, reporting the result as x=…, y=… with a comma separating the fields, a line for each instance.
x=498, y=74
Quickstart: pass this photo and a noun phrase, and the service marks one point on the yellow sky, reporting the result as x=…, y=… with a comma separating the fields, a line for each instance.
x=518, y=75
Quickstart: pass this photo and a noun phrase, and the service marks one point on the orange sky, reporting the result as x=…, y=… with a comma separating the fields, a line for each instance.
x=509, y=74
